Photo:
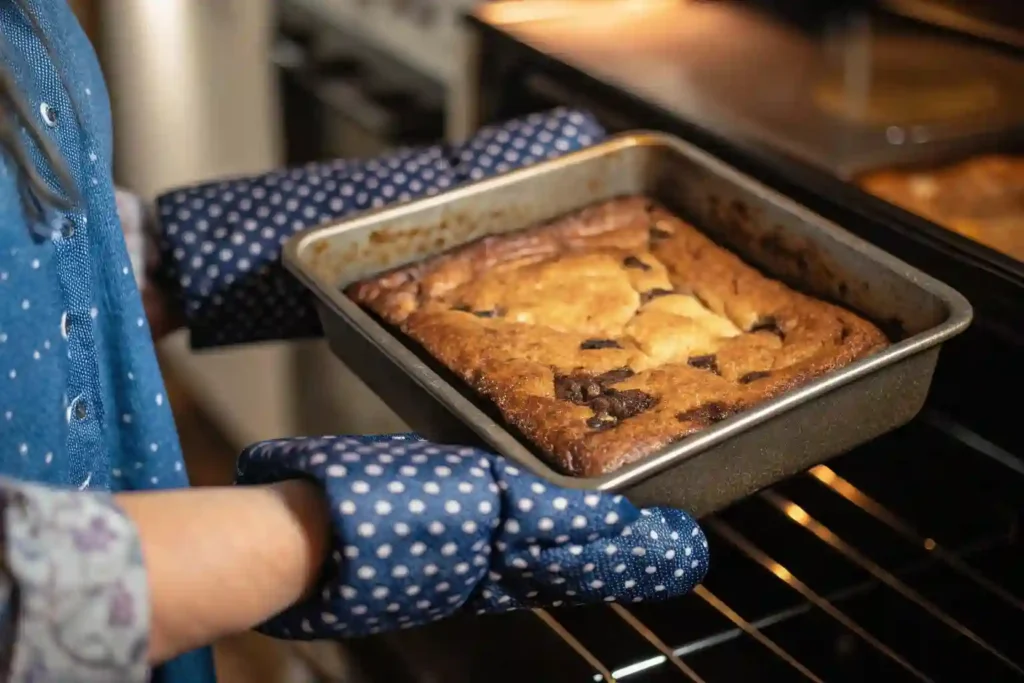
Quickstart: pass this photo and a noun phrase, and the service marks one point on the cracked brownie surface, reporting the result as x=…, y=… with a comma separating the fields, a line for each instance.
x=612, y=332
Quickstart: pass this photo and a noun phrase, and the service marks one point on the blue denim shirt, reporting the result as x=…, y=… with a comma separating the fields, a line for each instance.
x=82, y=402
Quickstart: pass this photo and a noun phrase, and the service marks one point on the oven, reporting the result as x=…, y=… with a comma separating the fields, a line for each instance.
x=901, y=559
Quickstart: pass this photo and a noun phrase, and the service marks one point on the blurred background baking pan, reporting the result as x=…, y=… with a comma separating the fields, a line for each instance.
x=722, y=463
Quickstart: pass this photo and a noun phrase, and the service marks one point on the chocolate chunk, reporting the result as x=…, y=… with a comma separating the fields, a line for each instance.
x=601, y=422
x=634, y=262
x=768, y=323
x=568, y=389
x=844, y=333
x=614, y=376
x=621, y=404
x=708, y=362
x=595, y=344
x=659, y=233
x=709, y=413
x=754, y=376
x=577, y=389
x=651, y=294
x=609, y=405
x=462, y=308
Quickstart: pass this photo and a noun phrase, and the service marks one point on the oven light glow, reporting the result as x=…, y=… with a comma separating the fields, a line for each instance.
x=797, y=513
x=639, y=666
x=512, y=12
x=823, y=474
x=781, y=572
x=929, y=544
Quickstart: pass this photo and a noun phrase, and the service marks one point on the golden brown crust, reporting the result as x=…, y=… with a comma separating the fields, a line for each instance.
x=612, y=332
x=981, y=198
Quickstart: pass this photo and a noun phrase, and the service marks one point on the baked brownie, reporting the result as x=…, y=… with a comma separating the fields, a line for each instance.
x=614, y=331
x=981, y=198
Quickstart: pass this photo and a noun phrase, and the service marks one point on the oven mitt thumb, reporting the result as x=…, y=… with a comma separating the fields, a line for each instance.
x=423, y=531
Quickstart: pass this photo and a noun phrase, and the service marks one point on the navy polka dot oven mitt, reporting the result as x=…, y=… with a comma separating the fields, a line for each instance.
x=220, y=243
x=423, y=531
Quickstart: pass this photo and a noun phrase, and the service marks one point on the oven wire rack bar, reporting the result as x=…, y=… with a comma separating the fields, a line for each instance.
x=863, y=503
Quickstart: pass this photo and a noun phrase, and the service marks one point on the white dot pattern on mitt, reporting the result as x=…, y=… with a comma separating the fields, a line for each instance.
x=221, y=243
x=422, y=531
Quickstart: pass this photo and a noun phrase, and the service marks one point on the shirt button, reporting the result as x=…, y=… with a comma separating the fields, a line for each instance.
x=64, y=325
x=48, y=113
x=81, y=409
x=67, y=229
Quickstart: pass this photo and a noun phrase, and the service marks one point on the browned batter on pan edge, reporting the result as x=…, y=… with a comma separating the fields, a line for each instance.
x=614, y=331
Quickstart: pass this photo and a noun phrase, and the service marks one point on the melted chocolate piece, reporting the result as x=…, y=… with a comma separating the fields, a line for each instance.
x=768, y=324
x=595, y=344
x=577, y=389
x=610, y=405
x=708, y=362
x=634, y=262
x=707, y=414
x=754, y=376
x=622, y=404
x=614, y=376
x=651, y=294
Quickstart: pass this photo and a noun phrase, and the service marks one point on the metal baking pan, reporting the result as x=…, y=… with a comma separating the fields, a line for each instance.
x=721, y=464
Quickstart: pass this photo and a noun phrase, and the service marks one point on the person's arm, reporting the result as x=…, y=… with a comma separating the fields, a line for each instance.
x=221, y=560
x=220, y=243
x=97, y=588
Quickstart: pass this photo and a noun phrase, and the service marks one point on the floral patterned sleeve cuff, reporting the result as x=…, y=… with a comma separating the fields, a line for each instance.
x=220, y=243
x=74, y=604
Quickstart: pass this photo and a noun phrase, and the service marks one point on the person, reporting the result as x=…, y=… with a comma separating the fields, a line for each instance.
x=113, y=570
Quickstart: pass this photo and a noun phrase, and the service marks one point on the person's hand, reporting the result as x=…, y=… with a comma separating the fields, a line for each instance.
x=422, y=531
x=139, y=236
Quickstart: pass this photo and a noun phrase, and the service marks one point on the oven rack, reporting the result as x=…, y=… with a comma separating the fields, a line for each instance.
x=900, y=560
x=917, y=586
